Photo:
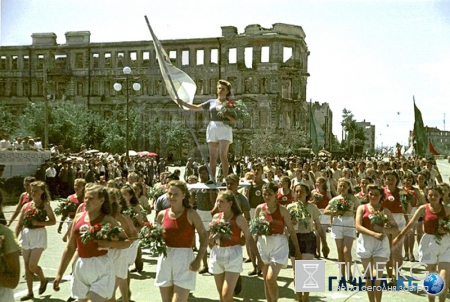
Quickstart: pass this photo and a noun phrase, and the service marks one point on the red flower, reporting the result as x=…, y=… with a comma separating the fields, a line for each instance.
x=230, y=103
x=97, y=227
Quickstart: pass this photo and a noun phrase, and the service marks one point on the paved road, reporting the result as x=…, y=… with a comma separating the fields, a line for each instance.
x=143, y=290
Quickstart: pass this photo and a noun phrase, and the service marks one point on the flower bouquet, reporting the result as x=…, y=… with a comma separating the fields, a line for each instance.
x=33, y=213
x=299, y=213
x=152, y=238
x=133, y=214
x=219, y=226
x=406, y=197
x=442, y=229
x=259, y=226
x=361, y=198
x=155, y=193
x=378, y=218
x=343, y=204
x=100, y=231
x=65, y=207
x=236, y=109
x=317, y=197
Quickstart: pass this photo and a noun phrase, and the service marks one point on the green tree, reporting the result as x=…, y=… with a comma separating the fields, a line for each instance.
x=276, y=141
x=355, y=137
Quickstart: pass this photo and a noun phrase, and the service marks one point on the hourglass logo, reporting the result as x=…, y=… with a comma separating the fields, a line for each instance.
x=309, y=275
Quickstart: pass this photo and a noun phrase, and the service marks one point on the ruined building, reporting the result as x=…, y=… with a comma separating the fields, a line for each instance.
x=268, y=69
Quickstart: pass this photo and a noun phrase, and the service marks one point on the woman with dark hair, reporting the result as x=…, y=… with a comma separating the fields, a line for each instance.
x=23, y=199
x=433, y=250
x=93, y=271
x=285, y=195
x=31, y=224
x=132, y=208
x=343, y=223
x=373, y=244
x=226, y=254
x=219, y=134
x=304, y=230
x=392, y=202
x=274, y=248
x=175, y=274
x=321, y=201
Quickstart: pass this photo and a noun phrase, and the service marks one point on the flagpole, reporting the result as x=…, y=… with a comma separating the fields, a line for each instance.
x=181, y=107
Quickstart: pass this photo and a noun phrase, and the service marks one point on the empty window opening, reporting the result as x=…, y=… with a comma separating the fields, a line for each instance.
x=40, y=62
x=185, y=57
x=287, y=53
x=26, y=62
x=3, y=62
x=108, y=59
x=248, y=57
x=214, y=56
x=95, y=60
x=14, y=60
x=232, y=54
x=120, y=59
x=200, y=56
x=133, y=58
x=265, y=53
x=60, y=61
x=146, y=58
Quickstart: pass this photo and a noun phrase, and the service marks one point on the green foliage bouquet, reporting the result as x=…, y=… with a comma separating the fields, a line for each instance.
x=65, y=207
x=152, y=238
x=100, y=231
x=378, y=218
x=33, y=213
x=219, y=226
x=235, y=109
x=342, y=204
x=155, y=193
x=299, y=213
x=442, y=229
x=259, y=226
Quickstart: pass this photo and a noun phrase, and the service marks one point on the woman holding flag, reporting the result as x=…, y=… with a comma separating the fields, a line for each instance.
x=219, y=135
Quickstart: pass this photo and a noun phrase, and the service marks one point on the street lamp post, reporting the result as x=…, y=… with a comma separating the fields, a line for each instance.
x=118, y=87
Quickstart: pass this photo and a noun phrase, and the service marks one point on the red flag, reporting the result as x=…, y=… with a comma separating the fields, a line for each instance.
x=399, y=152
x=431, y=149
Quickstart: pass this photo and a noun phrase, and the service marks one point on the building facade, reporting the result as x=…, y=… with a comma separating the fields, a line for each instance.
x=267, y=67
x=369, y=131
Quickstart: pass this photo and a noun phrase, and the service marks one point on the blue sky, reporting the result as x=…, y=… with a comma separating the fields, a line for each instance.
x=370, y=57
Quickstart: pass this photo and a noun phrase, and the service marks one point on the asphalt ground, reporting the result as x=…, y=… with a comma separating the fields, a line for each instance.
x=142, y=287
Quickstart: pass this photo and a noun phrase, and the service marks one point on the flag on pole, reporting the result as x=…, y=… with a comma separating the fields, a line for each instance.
x=178, y=84
x=420, y=136
x=316, y=132
x=431, y=149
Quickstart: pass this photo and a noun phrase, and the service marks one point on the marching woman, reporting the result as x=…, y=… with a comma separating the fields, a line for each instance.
x=93, y=272
x=226, y=253
x=373, y=222
x=176, y=273
x=342, y=209
x=415, y=201
x=274, y=248
x=304, y=230
x=77, y=198
x=219, y=134
x=31, y=223
x=321, y=196
x=434, y=248
x=392, y=202
x=134, y=210
x=23, y=199
x=285, y=195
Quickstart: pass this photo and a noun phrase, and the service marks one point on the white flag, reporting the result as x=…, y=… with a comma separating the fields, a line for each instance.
x=178, y=84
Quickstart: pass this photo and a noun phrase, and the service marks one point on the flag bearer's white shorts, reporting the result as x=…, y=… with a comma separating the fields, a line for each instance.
x=368, y=247
x=343, y=226
x=174, y=269
x=119, y=259
x=430, y=252
x=274, y=249
x=94, y=274
x=218, y=131
x=225, y=259
x=131, y=252
x=400, y=220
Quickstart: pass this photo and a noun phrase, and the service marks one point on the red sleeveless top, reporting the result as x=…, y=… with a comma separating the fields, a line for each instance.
x=430, y=220
x=178, y=232
x=394, y=206
x=324, y=202
x=284, y=199
x=235, y=238
x=276, y=222
x=90, y=249
x=25, y=199
x=73, y=198
x=365, y=219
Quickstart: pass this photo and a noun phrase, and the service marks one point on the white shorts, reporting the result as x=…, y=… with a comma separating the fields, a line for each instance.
x=174, y=269
x=206, y=218
x=252, y=213
x=218, y=131
x=430, y=252
x=119, y=259
x=368, y=247
x=274, y=249
x=343, y=226
x=400, y=220
x=34, y=238
x=325, y=219
x=131, y=252
x=94, y=274
x=225, y=259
